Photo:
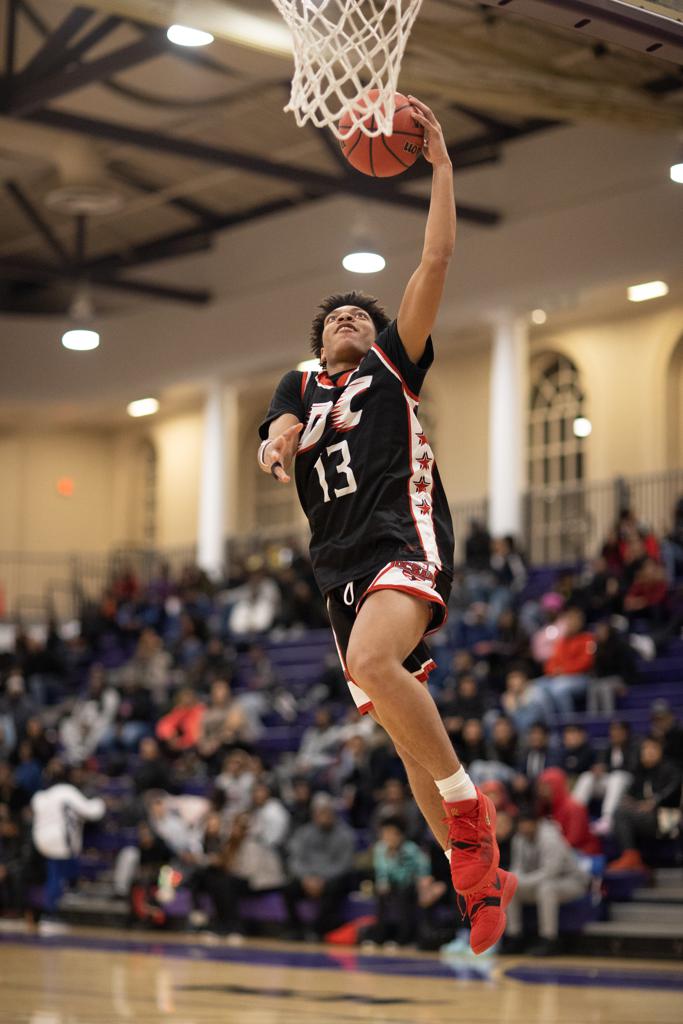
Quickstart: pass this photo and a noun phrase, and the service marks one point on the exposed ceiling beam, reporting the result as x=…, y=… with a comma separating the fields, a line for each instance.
x=298, y=176
x=53, y=47
x=33, y=95
x=41, y=225
x=129, y=176
x=43, y=273
x=158, y=249
x=96, y=34
x=10, y=37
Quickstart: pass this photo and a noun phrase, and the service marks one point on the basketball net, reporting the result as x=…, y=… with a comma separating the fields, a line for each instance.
x=342, y=49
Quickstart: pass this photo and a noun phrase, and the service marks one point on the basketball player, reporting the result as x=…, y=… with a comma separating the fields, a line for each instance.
x=382, y=537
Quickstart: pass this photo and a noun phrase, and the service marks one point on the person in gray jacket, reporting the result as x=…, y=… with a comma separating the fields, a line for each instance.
x=549, y=875
x=321, y=857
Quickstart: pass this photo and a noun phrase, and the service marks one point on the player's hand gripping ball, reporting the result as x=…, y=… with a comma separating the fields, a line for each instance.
x=384, y=155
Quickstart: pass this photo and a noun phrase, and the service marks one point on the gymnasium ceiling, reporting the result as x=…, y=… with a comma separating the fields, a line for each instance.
x=197, y=179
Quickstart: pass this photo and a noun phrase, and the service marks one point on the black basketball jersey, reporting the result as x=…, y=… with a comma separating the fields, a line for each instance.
x=364, y=469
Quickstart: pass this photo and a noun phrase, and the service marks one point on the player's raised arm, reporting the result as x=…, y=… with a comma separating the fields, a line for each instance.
x=422, y=296
x=275, y=455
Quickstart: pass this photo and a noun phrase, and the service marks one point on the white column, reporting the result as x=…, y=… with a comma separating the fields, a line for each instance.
x=212, y=486
x=507, y=424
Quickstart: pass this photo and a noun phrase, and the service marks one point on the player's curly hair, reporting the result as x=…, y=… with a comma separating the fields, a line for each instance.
x=366, y=302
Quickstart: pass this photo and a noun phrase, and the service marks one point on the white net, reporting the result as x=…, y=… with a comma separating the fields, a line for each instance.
x=345, y=50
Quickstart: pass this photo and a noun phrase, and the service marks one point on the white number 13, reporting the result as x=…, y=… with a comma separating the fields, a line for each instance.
x=343, y=467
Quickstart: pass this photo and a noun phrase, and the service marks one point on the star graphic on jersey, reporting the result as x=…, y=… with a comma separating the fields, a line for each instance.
x=424, y=462
x=424, y=507
x=421, y=485
x=422, y=439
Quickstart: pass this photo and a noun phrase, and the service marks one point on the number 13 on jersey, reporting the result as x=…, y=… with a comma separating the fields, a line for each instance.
x=341, y=469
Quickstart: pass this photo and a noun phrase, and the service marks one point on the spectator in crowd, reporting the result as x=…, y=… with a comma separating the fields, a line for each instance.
x=509, y=573
x=298, y=802
x=577, y=754
x=645, y=812
x=479, y=579
x=180, y=728
x=16, y=704
x=567, y=670
x=256, y=604
x=8, y=737
x=614, y=669
x=609, y=777
x=471, y=743
x=555, y=801
x=153, y=770
x=665, y=727
x=321, y=856
x=520, y=701
x=320, y=743
x=502, y=754
x=672, y=546
x=459, y=704
x=142, y=888
x=550, y=628
x=400, y=867
x=12, y=897
x=236, y=783
x=151, y=665
x=59, y=811
x=43, y=741
x=548, y=875
x=223, y=724
x=538, y=753
x=646, y=596
x=135, y=713
x=269, y=818
x=395, y=801
x=91, y=719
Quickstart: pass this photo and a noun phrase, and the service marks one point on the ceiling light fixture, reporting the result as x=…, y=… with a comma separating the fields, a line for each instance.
x=183, y=35
x=648, y=290
x=538, y=316
x=80, y=340
x=676, y=172
x=309, y=365
x=364, y=262
x=582, y=427
x=142, y=407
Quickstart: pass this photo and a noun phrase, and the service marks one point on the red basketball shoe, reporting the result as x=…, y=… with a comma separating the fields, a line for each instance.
x=472, y=840
x=486, y=910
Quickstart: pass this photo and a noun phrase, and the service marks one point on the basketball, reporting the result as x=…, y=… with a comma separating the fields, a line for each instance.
x=385, y=155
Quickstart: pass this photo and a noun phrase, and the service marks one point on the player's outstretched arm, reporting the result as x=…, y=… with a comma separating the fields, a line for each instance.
x=422, y=296
x=276, y=454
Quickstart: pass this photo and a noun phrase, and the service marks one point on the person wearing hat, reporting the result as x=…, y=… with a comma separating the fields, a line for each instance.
x=320, y=864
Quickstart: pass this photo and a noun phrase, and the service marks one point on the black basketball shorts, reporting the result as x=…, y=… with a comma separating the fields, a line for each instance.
x=421, y=579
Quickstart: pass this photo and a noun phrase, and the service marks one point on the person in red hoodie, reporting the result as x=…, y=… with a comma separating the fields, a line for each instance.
x=180, y=728
x=557, y=803
x=567, y=669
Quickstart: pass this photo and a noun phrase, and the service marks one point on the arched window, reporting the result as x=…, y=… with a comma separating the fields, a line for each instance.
x=556, y=462
x=556, y=455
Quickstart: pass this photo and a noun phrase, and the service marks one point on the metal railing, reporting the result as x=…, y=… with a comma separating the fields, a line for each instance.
x=561, y=524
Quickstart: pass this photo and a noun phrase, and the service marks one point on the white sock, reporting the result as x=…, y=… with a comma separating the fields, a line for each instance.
x=456, y=787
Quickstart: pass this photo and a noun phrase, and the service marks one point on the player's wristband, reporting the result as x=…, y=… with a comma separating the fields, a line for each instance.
x=261, y=451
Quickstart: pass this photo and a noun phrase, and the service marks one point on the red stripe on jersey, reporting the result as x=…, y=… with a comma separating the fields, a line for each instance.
x=381, y=354
x=325, y=379
x=304, y=382
x=410, y=479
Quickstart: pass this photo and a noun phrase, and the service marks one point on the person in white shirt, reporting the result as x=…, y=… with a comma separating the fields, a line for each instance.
x=58, y=815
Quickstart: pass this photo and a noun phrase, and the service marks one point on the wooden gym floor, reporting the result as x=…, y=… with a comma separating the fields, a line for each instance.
x=105, y=977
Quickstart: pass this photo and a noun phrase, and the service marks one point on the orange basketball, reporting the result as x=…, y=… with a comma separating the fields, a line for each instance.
x=384, y=155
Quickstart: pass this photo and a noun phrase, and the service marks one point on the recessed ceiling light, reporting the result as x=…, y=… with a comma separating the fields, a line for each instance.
x=538, y=316
x=308, y=365
x=80, y=340
x=648, y=290
x=582, y=427
x=142, y=407
x=364, y=262
x=183, y=35
x=676, y=173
